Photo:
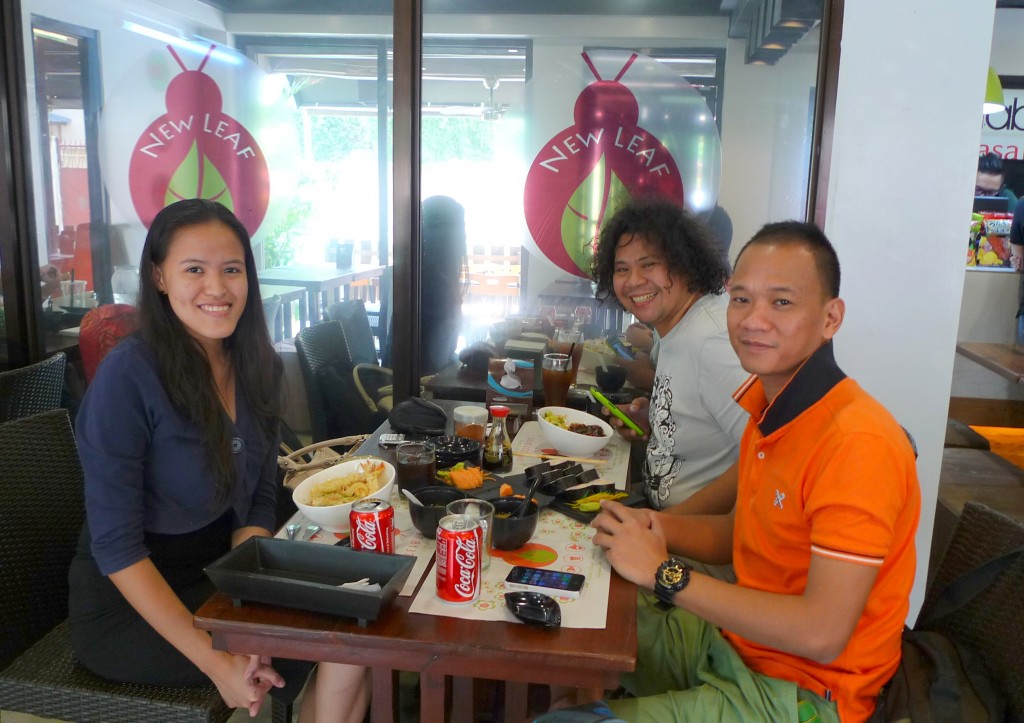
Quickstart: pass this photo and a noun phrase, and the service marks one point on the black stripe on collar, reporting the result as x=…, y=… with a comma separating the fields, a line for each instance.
x=811, y=382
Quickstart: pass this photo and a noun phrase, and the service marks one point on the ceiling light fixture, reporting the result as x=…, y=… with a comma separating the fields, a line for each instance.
x=994, y=102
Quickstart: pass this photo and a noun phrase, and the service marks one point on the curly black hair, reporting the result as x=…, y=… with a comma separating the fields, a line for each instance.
x=674, y=232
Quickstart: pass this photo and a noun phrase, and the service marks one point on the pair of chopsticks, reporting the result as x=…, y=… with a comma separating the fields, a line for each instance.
x=588, y=460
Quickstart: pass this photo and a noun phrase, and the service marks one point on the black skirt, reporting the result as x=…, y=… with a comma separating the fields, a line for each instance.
x=111, y=639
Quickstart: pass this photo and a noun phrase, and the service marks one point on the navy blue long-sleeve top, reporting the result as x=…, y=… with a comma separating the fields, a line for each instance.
x=146, y=467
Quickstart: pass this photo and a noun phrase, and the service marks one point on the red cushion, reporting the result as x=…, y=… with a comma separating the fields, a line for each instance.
x=100, y=331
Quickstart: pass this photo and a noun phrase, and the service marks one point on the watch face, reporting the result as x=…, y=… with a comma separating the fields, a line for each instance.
x=672, y=574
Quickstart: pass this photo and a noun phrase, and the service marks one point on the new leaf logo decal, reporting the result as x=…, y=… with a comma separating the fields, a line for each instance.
x=587, y=170
x=195, y=150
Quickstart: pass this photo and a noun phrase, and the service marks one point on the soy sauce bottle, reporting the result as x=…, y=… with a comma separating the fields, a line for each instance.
x=498, y=447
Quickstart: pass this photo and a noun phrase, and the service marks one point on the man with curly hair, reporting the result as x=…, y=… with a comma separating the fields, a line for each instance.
x=660, y=264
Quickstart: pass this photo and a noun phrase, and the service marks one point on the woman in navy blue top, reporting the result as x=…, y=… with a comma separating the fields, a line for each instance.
x=178, y=437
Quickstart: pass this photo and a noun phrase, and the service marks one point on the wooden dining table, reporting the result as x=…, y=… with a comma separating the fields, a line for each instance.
x=436, y=647
x=1006, y=360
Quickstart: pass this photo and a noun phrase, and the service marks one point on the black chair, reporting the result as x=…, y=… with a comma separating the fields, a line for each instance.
x=33, y=389
x=271, y=305
x=990, y=625
x=41, y=513
x=329, y=354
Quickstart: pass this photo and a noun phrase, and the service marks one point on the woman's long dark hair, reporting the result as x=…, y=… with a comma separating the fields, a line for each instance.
x=184, y=367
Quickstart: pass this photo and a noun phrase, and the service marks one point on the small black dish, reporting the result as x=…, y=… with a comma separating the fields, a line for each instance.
x=534, y=608
x=511, y=533
x=435, y=499
x=610, y=379
x=452, y=450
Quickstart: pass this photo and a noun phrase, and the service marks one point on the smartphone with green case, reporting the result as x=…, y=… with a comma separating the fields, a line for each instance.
x=616, y=412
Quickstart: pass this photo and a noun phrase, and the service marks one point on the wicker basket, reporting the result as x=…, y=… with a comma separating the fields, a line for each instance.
x=311, y=459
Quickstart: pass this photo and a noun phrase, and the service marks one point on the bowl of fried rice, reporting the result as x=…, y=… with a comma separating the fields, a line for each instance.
x=327, y=497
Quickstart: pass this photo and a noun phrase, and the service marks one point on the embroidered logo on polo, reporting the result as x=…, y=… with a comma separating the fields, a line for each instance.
x=779, y=497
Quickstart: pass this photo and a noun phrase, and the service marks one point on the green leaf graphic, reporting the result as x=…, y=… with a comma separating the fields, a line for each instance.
x=185, y=181
x=586, y=209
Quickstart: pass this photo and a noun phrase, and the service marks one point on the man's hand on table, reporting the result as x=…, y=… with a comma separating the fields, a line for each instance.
x=633, y=541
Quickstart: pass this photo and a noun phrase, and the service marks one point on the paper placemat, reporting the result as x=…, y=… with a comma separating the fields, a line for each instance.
x=558, y=544
x=531, y=439
x=408, y=540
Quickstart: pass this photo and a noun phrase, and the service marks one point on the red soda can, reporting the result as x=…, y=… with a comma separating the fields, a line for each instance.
x=459, y=547
x=373, y=525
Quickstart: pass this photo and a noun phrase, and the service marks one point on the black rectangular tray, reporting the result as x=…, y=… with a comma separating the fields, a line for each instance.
x=633, y=499
x=306, y=575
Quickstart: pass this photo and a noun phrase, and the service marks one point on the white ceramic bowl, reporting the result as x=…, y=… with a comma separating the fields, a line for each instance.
x=335, y=517
x=570, y=443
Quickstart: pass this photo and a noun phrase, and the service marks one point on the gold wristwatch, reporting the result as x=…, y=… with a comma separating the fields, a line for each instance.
x=672, y=576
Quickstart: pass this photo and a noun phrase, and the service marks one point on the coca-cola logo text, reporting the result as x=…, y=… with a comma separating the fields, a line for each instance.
x=466, y=559
x=366, y=534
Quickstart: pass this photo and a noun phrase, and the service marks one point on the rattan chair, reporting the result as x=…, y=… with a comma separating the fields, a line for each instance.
x=32, y=389
x=991, y=625
x=41, y=514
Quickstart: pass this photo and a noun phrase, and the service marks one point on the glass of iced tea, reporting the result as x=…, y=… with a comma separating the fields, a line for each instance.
x=557, y=375
x=415, y=465
x=570, y=341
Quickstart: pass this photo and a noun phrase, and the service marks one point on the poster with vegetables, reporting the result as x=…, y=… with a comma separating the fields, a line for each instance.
x=637, y=128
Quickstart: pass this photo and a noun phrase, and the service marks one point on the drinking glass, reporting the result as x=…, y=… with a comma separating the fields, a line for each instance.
x=416, y=465
x=557, y=375
x=570, y=341
x=483, y=512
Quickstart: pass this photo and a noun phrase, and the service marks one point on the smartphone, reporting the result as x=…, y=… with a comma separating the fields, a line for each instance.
x=616, y=412
x=547, y=582
x=390, y=440
x=621, y=349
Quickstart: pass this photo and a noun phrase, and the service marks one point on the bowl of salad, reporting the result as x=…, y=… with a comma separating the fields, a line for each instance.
x=572, y=432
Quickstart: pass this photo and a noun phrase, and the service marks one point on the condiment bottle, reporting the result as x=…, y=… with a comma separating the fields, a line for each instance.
x=498, y=447
x=470, y=422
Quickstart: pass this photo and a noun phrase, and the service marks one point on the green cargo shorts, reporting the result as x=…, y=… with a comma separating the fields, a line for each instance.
x=686, y=671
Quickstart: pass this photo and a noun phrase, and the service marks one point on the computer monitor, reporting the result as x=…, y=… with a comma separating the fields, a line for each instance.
x=991, y=204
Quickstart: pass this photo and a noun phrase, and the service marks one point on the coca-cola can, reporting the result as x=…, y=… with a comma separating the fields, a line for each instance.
x=459, y=550
x=373, y=525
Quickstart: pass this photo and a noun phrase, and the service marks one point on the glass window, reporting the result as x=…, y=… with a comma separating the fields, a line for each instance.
x=560, y=117
x=286, y=115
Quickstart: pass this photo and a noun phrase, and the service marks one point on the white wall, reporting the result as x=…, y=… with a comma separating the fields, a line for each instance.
x=989, y=301
x=911, y=83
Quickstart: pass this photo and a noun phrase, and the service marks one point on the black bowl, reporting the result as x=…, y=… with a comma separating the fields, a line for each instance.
x=511, y=533
x=434, y=498
x=610, y=379
x=452, y=450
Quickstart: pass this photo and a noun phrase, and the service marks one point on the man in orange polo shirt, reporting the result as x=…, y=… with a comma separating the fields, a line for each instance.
x=822, y=534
